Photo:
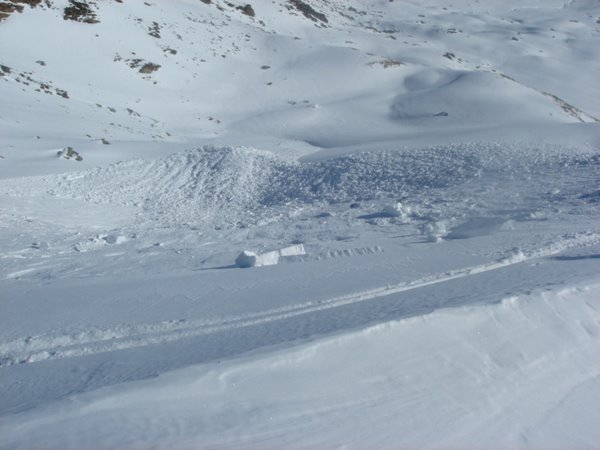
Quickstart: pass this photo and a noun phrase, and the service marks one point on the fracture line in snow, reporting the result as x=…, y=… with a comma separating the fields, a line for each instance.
x=41, y=348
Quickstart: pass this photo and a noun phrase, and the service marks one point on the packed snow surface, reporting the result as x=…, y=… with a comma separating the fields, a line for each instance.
x=412, y=190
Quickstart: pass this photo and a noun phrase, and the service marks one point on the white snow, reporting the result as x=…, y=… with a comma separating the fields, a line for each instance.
x=417, y=184
x=396, y=210
x=250, y=259
x=516, y=373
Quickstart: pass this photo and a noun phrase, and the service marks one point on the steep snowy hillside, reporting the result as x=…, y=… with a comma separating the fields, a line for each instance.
x=416, y=183
x=115, y=80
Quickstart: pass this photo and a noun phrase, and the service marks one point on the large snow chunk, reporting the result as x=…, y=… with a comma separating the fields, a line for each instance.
x=292, y=250
x=246, y=259
x=396, y=210
x=250, y=259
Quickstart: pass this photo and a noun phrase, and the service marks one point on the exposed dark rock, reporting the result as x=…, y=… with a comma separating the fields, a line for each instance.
x=247, y=9
x=6, y=9
x=134, y=63
x=149, y=68
x=80, y=11
x=69, y=153
x=154, y=30
x=308, y=11
x=32, y=3
x=62, y=93
x=386, y=63
x=9, y=7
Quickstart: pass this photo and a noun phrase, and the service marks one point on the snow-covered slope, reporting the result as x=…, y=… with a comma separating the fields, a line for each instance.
x=438, y=163
x=188, y=71
x=514, y=373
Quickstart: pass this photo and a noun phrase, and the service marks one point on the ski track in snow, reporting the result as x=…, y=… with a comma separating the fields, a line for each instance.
x=41, y=348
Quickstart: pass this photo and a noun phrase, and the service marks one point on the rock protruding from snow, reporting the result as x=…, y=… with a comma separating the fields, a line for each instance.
x=251, y=259
x=69, y=153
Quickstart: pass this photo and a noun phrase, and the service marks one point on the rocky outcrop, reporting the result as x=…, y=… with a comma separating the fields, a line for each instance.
x=80, y=11
x=308, y=11
x=9, y=7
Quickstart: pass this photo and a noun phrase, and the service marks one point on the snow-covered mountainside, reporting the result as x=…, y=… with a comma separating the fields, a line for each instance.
x=116, y=80
x=420, y=180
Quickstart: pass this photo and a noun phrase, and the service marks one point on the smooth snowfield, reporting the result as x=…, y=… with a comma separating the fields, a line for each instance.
x=312, y=224
x=523, y=372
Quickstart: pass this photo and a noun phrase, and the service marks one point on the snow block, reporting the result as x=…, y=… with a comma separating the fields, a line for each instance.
x=246, y=259
x=250, y=259
x=292, y=250
x=395, y=210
